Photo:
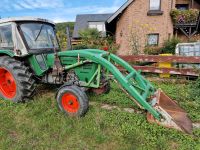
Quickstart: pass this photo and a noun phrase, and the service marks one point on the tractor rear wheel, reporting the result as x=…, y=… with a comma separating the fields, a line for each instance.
x=72, y=101
x=16, y=82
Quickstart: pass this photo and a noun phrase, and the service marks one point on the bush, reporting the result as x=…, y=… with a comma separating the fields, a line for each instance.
x=184, y=16
x=61, y=33
x=78, y=47
x=89, y=34
x=152, y=50
x=91, y=39
x=170, y=46
x=62, y=39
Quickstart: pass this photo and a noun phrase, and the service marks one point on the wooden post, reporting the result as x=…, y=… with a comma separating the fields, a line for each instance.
x=176, y=35
x=192, y=3
x=69, y=44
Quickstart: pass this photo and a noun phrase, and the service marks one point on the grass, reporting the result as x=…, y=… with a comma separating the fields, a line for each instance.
x=39, y=124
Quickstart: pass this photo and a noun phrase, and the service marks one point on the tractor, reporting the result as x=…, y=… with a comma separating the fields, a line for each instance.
x=30, y=54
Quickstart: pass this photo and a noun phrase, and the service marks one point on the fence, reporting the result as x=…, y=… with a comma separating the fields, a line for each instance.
x=162, y=59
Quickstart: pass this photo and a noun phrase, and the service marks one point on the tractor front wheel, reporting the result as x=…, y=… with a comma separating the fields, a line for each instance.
x=16, y=82
x=72, y=101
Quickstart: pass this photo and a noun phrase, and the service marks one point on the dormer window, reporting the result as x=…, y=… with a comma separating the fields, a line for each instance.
x=100, y=26
x=155, y=4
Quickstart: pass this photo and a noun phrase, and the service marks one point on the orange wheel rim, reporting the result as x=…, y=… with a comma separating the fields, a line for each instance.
x=7, y=84
x=70, y=103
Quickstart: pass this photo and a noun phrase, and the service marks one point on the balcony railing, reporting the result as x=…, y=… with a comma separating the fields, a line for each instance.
x=187, y=21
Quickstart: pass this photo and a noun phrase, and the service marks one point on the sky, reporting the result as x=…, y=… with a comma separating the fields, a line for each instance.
x=57, y=10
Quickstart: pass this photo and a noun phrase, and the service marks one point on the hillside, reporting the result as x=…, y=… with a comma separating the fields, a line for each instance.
x=62, y=27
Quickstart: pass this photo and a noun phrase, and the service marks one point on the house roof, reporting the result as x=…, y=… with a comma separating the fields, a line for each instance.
x=18, y=19
x=82, y=21
x=119, y=11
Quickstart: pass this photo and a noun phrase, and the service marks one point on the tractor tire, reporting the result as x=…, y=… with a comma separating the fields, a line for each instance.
x=16, y=82
x=72, y=101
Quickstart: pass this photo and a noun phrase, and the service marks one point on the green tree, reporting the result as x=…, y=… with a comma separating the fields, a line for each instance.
x=61, y=33
x=92, y=39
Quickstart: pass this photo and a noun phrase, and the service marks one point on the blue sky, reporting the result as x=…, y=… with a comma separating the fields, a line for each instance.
x=57, y=10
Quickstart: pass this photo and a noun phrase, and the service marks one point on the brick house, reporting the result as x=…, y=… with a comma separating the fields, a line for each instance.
x=146, y=22
x=138, y=23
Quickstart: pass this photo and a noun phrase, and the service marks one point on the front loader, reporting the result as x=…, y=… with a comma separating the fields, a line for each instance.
x=29, y=54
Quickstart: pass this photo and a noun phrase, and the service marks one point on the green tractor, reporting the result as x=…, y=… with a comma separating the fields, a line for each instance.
x=30, y=54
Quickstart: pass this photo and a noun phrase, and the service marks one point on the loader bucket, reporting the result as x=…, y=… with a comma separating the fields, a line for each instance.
x=173, y=115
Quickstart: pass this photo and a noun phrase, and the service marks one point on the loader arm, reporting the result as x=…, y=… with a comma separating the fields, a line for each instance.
x=161, y=109
x=136, y=86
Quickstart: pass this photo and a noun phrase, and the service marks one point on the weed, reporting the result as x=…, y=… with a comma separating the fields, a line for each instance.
x=40, y=125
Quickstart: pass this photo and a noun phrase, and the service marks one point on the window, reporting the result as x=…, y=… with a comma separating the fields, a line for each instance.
x=182, y=6
x=153, y=39
x=155, y=4
x=6, y=40
x=39, y=35
x=100, y=26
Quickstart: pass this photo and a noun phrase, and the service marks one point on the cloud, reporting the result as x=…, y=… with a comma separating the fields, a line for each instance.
x=117, y=3
x=6, y=5
x=56, y=10
x=17, y=7
x=66, y=15
x=106, y=9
